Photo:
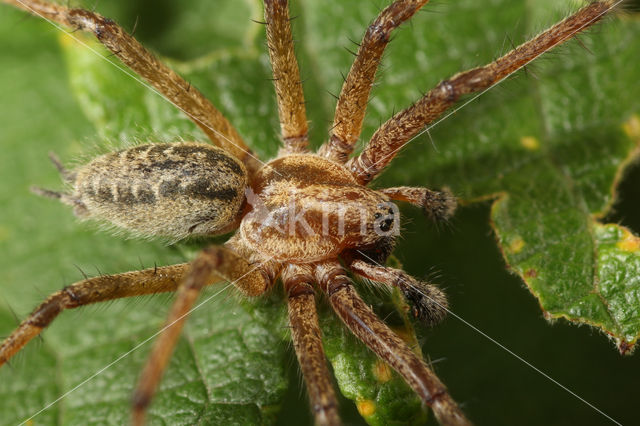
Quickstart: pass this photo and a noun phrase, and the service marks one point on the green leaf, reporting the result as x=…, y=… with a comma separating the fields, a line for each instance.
x=381, y=397
x=552, y=161
x=233, y=369
x=549, y=147
x=114, y=101
x=230, y=364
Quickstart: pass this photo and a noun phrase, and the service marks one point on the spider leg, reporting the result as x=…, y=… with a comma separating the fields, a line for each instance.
x=374, y=333
x=286, y=77
x=428, y=302
x=399, y=129
x=307, y=341
x=92, y=290
x=354, y=95
x=67, y=175
x=439, y=206
x=79, y=208
x=162, y=78
x=213, y=263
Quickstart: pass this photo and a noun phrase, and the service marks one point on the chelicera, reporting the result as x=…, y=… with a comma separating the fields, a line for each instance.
x=306, y=218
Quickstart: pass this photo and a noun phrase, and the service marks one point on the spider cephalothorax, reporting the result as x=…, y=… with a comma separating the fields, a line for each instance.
x=311, y=209
x=303, y=217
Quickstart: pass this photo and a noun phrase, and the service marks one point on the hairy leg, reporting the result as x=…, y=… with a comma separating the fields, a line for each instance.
x=212, y=263
x=286, y=77
x=162, y=78
x=374, y=333
x=67, y=175
x=307, y=341
x=439, y=206
x=92, y=290
x=398, y=130
x=354, y=95
x=428, y=302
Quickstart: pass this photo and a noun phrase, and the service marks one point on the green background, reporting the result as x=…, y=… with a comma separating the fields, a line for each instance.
x=41, y=243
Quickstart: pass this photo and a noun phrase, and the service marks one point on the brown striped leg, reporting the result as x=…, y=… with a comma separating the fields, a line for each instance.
x=307, y=341
x=213, y=262
x=439, y=206
x=399, y=129
x=92, y=290
x=162, y=78
x=428, y=302
x=286, y=77
x=352, y=102
x=374, y=333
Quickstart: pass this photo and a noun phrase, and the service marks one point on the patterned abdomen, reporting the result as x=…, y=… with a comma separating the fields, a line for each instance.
x=172, y=190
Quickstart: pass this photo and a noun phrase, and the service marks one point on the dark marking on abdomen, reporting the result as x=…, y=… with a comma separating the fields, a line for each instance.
x=212, y=158
x=125, y=194
x=169, y=188
x=200, y=189
x=146, y=196
x=103, y=194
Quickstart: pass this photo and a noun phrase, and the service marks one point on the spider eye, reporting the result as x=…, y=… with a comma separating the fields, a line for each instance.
x=386, y=225
x=377, y=216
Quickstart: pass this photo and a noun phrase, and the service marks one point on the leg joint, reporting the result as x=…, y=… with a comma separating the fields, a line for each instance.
x=48, y=310
x=87, y=20
x=325, y=407
x=338, y=283
x=447, y=91
x=362, y=168
x=140, y=401
x=339, y=144
x=378, y=33
x=298, y=289
x=433, y=398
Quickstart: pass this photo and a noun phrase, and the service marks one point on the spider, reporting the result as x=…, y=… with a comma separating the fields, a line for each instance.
x=303, y=217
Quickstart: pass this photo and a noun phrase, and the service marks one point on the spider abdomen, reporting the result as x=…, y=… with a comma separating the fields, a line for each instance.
x=170, y=190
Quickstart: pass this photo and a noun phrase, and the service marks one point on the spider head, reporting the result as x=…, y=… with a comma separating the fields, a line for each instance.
x=379, y=225
x=385, y=218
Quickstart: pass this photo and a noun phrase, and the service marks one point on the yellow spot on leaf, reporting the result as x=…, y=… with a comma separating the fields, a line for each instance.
x=516, y=245
x=77, y=38
x=632, y=127
x=530, y=143
x=65, y=39
x=381, y=371
x=4, y=233
x=629, y=243
x=366, y=407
